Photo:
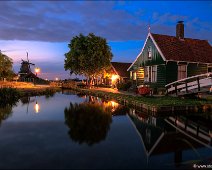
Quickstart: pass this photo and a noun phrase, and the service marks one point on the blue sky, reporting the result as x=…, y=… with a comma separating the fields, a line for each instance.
x=44, y=28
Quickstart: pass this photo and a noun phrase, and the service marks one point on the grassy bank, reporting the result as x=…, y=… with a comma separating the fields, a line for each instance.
x=9, y=96
x=37, y=92
x=164, y=103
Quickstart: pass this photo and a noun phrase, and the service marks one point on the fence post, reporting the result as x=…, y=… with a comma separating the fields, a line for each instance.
x=198, y=84
x=175, y=88
x=186, y=86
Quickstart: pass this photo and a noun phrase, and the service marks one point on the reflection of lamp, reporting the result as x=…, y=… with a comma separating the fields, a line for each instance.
x=113, y=104
x=37, y=107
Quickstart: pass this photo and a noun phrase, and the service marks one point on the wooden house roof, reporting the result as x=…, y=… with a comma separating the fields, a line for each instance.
x=121, y=68
x=172, y=48
x=187, y=49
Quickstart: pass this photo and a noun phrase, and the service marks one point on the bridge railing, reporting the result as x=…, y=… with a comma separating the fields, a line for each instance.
x=190, y=83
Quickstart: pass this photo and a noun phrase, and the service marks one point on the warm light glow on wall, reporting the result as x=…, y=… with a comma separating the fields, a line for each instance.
x=37, y=107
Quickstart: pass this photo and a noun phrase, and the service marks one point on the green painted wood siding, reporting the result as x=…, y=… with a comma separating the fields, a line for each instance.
x=171, y=71
x=161, y=75
x=156, y=57
x=195, y=69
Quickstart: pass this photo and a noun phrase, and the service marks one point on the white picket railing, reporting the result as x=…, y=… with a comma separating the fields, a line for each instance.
x=190, y=84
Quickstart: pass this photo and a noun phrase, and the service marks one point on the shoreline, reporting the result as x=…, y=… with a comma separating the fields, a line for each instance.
x=154, y=105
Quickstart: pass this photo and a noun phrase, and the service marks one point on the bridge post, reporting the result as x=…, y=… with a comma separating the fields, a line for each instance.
x=186, y=84
x=198, y=84
x=175, y=88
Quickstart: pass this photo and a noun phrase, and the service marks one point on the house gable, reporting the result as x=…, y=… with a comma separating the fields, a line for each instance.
x=156, y=56
x=142, y=58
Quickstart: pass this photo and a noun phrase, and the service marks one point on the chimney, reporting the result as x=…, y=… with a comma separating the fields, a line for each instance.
x=180, y=30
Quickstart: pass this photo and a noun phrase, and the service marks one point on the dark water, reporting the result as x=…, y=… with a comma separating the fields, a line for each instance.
x=68, y=131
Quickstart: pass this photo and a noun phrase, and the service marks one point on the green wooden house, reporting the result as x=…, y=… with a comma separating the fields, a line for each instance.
x=165, y=59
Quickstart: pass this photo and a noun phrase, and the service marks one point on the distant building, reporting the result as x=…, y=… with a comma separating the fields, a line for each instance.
x=116, y=74
x=165, y=59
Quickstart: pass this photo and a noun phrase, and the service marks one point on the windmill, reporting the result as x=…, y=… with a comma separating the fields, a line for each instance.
x=25, y=66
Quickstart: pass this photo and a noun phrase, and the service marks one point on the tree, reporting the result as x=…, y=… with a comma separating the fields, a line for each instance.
x=89, y=55
x=6, y=65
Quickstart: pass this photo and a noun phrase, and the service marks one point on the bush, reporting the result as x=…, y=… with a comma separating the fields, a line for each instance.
x=124, y=86
x=9, y=96
x=82, y=85
x=103, y=85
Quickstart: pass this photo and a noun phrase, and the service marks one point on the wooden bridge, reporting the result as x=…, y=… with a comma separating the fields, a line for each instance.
x=190, y=85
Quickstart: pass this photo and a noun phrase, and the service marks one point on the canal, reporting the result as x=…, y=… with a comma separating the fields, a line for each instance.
x=66, y=131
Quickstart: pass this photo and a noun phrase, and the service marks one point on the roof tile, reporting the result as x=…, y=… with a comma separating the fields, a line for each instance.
x=186, y=49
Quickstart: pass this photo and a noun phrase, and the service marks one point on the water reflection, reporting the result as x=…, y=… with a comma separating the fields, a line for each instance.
x=5, y=112
x=37, y=107
x=25, y=100
x=182, y=136
x=110, y=106
x=88, y=122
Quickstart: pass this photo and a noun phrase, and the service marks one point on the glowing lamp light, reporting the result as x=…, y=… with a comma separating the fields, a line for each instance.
x=56, y=78
x=114, y=77
x=37, y=107
x=37, y=70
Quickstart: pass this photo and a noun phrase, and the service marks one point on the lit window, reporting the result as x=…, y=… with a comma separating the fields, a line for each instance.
x=131, y=75
x=182, y=72
x=146, y=74
x=149, y=53
x=134, y=75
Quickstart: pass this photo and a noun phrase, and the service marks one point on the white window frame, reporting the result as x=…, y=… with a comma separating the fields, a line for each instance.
x=149, y=49
x=146, y=79
x=155, y=75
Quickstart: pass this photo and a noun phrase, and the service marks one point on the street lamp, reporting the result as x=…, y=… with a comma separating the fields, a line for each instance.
x=37, y=70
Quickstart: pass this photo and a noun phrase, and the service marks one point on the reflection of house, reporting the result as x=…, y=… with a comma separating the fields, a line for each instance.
x=165, y=59
x=117, y=73
x=173, y=135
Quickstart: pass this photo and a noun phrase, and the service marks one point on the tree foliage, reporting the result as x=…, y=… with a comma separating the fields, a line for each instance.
x=6, y=65
x=88, y=55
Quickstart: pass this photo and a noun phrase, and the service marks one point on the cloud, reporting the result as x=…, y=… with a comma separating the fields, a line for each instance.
x=56, y=21
x=194, y=26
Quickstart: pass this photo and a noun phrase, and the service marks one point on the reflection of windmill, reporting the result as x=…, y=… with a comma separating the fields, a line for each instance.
x=25, y=66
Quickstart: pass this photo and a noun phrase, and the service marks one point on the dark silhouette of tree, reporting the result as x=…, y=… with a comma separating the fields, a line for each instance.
x=88, y=122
